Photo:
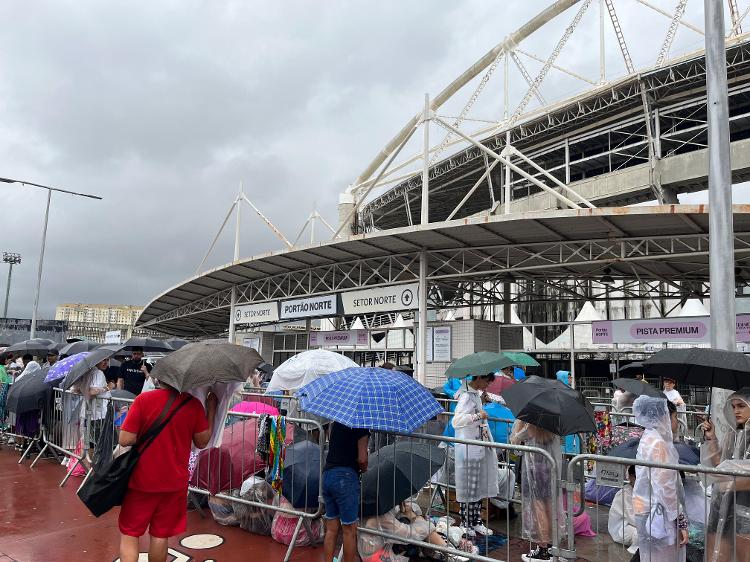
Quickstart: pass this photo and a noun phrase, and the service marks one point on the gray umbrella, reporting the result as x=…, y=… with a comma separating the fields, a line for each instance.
x=199, y=364
x=35, y=346
x=79, y=347
x=147, y=345
x=177, y=343
x=92, y=360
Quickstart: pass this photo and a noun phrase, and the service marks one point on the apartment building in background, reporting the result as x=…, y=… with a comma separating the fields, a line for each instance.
x=93, y=321
x=121, y=314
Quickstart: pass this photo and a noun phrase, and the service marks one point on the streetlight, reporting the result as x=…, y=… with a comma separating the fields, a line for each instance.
x=11, y=259
x=44, y=238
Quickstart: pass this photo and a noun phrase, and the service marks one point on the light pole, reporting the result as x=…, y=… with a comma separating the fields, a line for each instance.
x=11, y=259
x=44, y=238
x=720, y=227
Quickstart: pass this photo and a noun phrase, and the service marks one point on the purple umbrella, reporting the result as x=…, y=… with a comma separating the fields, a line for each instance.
x=60, y=369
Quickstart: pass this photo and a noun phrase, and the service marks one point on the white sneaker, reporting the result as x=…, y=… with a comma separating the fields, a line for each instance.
x=482, y=530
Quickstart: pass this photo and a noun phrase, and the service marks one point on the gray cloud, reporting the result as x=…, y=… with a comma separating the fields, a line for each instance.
x=164, y=107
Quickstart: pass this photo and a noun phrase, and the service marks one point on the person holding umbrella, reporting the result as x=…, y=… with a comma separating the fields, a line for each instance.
x=133, y=372
x=545, y=410
x=476, y=466
x=729, y=520
x=658, y=496
x=96, y=394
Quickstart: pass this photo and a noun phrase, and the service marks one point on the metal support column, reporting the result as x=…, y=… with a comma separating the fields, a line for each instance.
x=35, y=312
x=721, y=241
x=507, y=174
x=238, y=210
x=425, y=219
x=422, y=331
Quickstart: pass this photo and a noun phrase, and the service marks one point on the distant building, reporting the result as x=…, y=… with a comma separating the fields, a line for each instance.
x=93, y=321
x=120, y=314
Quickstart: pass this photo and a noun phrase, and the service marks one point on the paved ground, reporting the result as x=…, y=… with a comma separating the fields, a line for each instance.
x=41, y=522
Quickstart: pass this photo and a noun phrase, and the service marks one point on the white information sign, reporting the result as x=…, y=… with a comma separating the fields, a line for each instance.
x=309, y=308
x=329, y=339
x=113, y=336
x=610, y=474
x=252, y=342
x=441, y=344
x=429, y=344
x=256, y=313
x=381, y=299
x=657, y=330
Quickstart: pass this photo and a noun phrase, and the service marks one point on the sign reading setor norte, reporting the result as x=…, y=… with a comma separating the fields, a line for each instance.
x=256, y=313
x=381, y=299
x=309, y=308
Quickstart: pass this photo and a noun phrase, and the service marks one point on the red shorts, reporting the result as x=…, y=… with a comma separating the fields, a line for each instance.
x=164, y=514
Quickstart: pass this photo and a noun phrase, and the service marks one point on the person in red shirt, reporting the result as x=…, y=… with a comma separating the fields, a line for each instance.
x=157, y=491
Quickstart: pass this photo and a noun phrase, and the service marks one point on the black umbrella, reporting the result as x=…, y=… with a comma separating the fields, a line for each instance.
x=396, y=473
x=638, y=388
x=551, y=405
x=147, y=344
x=199, y=364
x=79, y=347
x=689, y=455
x=91, y=360
x=631, y=369
x=702, y=367
x=29, y=393
x=302, y=474
x=265, y=368
x=35, y=346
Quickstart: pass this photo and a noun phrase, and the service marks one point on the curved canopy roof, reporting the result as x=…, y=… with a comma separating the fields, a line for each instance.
x=668, y=243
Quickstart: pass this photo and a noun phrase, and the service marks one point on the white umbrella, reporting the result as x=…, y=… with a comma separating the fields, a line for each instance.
x=305, y=367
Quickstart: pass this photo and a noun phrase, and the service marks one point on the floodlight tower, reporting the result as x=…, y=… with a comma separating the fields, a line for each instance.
x=11, y=258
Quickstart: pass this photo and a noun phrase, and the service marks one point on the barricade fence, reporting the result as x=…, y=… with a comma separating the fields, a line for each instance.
x=438, y=500
x=244, y=479
x=650, y=509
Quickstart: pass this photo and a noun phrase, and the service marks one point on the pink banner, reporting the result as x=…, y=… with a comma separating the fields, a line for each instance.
x=684, y=330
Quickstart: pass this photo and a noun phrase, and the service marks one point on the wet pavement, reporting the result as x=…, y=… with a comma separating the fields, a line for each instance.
x=41, y=522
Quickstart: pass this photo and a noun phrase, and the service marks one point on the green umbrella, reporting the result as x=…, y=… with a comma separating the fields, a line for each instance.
x=478, y=364
x=521, y=359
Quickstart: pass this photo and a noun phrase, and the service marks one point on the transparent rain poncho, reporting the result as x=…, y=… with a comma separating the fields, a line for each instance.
x=657, y=494
x=729, y=519
x=536, y=482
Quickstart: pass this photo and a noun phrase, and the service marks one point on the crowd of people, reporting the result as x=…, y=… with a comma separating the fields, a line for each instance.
x=657, y=515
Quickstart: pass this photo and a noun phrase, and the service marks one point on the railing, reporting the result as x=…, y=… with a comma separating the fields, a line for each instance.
x=704, y=526
x=446, y=480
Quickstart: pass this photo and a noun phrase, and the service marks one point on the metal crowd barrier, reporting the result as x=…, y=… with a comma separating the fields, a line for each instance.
x=62, y=429
x=446, y=479
x=220, y=475
x=698, y=490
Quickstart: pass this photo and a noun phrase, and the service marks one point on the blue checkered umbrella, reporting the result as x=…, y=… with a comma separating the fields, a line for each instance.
x=370, y=398
x=64, y=366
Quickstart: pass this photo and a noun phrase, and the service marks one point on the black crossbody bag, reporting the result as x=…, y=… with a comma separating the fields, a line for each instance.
x=106, y=489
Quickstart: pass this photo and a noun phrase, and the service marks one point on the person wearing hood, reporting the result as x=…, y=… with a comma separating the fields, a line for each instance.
x=728, y=528
x=29, y=367
x=476, y=466
x=658, y=496
x=536, y=488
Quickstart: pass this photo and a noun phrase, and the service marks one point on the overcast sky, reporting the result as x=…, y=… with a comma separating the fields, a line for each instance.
x=163, y=107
